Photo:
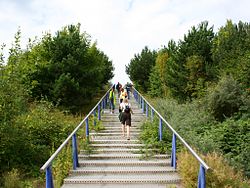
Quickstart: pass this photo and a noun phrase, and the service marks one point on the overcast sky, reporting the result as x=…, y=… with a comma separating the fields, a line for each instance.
x=121, y=28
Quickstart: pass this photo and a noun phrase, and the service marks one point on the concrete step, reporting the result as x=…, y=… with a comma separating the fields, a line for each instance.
x=134, y=118
x=120, y=141
x=123, y=169
x=135, y=109
x=120, y=150
x=111, y=134
x=122, y=145
x=122, y=185
x=119, y=126
x=118, y=156
x=125, y=162
x=120, y=178
x=118, y=129
x=113, y=137
x=117, y=123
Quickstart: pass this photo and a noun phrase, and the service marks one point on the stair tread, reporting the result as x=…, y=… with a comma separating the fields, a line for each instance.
x=121, y=185
x=122, y=155
x=162, y=177
x=124, y=168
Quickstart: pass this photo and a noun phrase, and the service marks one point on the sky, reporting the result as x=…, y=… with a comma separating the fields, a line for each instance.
x=121, y=28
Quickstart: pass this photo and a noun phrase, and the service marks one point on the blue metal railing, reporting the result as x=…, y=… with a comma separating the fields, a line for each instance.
x=203, y=166
x=48, y=165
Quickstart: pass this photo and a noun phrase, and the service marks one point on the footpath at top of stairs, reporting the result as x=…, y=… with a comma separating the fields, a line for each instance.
x=113, y=161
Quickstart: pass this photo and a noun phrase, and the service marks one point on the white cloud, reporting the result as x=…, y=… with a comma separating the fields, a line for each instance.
x=121, y=27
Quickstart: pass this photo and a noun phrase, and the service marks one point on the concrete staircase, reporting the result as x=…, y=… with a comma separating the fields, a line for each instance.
x=117, y=162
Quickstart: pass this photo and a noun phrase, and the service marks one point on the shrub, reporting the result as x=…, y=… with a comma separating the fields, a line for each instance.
x=220, y=175
x=12, y=179
x=225, y=100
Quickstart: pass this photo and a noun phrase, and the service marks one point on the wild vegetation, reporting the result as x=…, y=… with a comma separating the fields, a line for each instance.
x=45, y=90
x=201, y=86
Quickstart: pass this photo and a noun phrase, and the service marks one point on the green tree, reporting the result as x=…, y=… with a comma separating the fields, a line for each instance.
x=140, y=67
x=69, y=70
x=198, y=42
x=158, y=76
x=231, y=50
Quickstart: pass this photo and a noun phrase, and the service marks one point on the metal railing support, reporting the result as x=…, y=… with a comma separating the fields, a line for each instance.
x=142, y=105
x=94, y=119
x=202, y=177
x=74, y=152
x=160, y=129
x=49, y=179
x=87, y=127
x=173, y=153
x=99, y=111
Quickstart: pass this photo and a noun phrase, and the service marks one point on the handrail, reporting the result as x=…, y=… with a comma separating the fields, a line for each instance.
x=49, y=161
x=172, y=129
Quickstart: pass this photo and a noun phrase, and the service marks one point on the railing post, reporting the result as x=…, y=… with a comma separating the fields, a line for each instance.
x=173, y=153
x=49, y=179
x=99, y=111
x=105, y=101
x=87, y=127
x=152, y=114
x=160, y=129
x=147, y=109
x=142, y=106
x=94, y=112
x=75, y=153
x=202, y=177
x=103, y=105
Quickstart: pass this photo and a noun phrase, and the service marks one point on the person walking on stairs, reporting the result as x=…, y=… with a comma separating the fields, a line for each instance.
x=112, y=100
x=126, y=117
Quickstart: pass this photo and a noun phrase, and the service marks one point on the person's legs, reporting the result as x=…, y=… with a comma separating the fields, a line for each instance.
x=112, y=106
x=123, y=130
x=128, y=132
x=123, y=118
x=128, y=124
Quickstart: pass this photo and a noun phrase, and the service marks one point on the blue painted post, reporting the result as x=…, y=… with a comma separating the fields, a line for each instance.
x=87, y=127
x=202, y=177
x=99, y=111
x=142, y=106
x=102, y=104
x=152, y=115
x=146, y=109
x=173, y=154
x=75, y=153
x=49, y=179
x=106, y=99
x=160, y=129
x=94, y=112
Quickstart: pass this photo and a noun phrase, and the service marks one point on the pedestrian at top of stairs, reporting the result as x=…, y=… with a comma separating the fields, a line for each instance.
x=126, y=117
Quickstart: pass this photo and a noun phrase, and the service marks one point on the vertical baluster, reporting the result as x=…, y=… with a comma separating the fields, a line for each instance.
x=173, y=153
x=49, y=178
x=94, y=112
x=142, y=105
x=99, y=111
x=202, y=177
x=75, y=153
x=87, y=127
x=147, y=109
x=103, y=104
x=160, y=129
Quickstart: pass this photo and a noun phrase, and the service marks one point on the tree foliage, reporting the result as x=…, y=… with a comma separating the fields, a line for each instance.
x=64, y=68
x=140, y=67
